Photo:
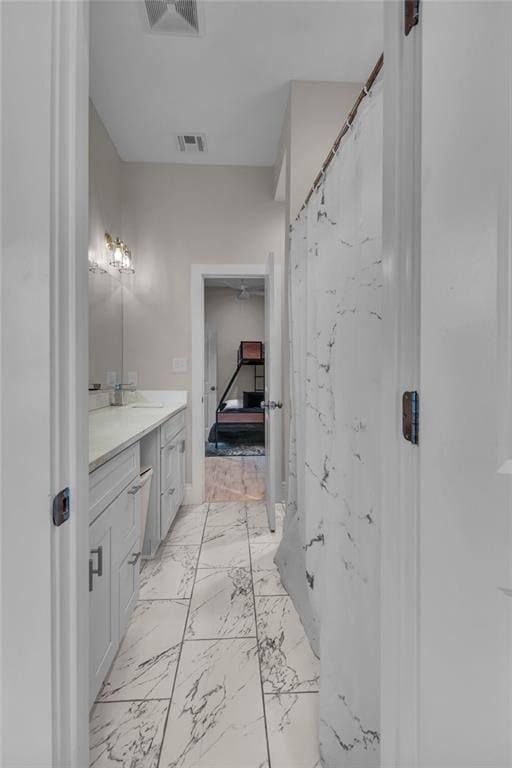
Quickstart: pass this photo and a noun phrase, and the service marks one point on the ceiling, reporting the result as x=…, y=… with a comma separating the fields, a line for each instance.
x=230, y=84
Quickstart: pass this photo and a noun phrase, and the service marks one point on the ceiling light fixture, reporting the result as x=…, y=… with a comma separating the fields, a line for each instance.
x=243, y=294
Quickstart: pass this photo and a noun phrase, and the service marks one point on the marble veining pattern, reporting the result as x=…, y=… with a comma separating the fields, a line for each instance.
x=287, y=661
x=266, y=578
x=216, y=716
x=146, y=662
x=171, y=574
x=328, y=558
x=222, y=604
x=127, y=734
x=188, y=526
x=186, y=687
x=226, y=513
x=225, y=548
x=292, y=721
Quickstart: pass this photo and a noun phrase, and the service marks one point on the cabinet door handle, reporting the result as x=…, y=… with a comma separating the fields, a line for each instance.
x=135, y=489
x=171, y=491
x=136, y=556
x=91, y=572
x=99, y=552
x=182, y=446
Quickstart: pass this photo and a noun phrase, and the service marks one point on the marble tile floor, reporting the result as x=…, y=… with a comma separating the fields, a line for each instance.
x=235, y=478
x=214, y=670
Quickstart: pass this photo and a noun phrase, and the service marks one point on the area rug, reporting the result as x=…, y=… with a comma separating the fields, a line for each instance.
x=229, y=449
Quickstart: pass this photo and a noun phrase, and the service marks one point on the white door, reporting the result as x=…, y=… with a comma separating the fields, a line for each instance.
x=273, y=384
x=210, y=379
x=43, y=315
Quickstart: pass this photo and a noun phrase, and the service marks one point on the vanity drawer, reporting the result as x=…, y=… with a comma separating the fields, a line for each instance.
x=170, y=464
x=168, y=510
x=107, y=482
x=126, y=521
x=128, y=575
x=171, y=428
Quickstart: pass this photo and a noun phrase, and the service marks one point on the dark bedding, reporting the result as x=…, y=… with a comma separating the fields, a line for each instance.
x=239, y=433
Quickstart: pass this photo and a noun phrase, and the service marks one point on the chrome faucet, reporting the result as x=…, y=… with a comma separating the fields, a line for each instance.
x=117, y=393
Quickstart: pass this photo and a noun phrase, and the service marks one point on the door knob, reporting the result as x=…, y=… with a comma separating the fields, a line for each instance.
x=212, y=389
x=271, y=405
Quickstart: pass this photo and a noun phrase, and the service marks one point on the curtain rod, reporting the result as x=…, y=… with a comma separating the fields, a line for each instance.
x=346, y=127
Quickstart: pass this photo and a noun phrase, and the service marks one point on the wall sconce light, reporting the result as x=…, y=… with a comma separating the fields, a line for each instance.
x=95, y=266
x=127, y=267
x=121, y=256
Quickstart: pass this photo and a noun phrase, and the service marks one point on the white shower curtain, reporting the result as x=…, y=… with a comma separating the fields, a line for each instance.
x=329, y=555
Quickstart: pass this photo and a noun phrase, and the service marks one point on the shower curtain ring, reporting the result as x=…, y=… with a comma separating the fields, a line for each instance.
x=349, y=125
x=366, y=91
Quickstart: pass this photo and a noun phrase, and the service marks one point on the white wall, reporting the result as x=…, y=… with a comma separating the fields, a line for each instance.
x=105, y=290
x=465, y=542
x=175, y=216
x=234, y=321
x=171, y=216
x=315, y=115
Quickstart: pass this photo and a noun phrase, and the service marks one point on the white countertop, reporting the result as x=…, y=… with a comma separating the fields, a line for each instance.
x=115, y=428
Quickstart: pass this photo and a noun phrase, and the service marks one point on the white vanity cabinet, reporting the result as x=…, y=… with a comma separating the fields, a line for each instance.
x=164, y=450
x=114, y=558
x=102, y=619
x=121, y=440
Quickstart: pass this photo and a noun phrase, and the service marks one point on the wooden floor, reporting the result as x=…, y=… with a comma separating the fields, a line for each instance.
x=235, y=478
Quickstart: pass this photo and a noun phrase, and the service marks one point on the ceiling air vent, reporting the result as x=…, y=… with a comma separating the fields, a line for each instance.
x=173, y=18
x=192, y=142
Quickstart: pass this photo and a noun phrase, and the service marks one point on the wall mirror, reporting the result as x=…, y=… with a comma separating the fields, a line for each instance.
x=105, y=328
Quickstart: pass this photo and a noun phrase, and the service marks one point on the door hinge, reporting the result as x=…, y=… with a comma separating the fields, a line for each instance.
x=411, y=416
x=411, y=14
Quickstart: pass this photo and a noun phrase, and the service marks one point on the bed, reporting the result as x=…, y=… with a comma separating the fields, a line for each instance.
x=242, y=420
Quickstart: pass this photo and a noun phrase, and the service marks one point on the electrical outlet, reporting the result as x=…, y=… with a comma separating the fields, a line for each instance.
x=179, y=365
x=131, y=378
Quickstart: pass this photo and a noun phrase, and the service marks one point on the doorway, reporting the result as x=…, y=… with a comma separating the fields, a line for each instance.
x=234, y=388
x=205, y=343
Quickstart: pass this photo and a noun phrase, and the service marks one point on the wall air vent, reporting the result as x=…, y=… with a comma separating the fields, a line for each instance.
x=192, y=142
x=173, y=17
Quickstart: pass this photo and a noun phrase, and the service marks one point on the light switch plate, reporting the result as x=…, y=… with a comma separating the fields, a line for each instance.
x=179, y=365
x=132, y=378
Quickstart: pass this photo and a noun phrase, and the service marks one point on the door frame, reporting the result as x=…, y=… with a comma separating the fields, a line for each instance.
x=210, y=393
x=199, y=272
x=273, y=388
x=43, y=382
x=400, y=630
